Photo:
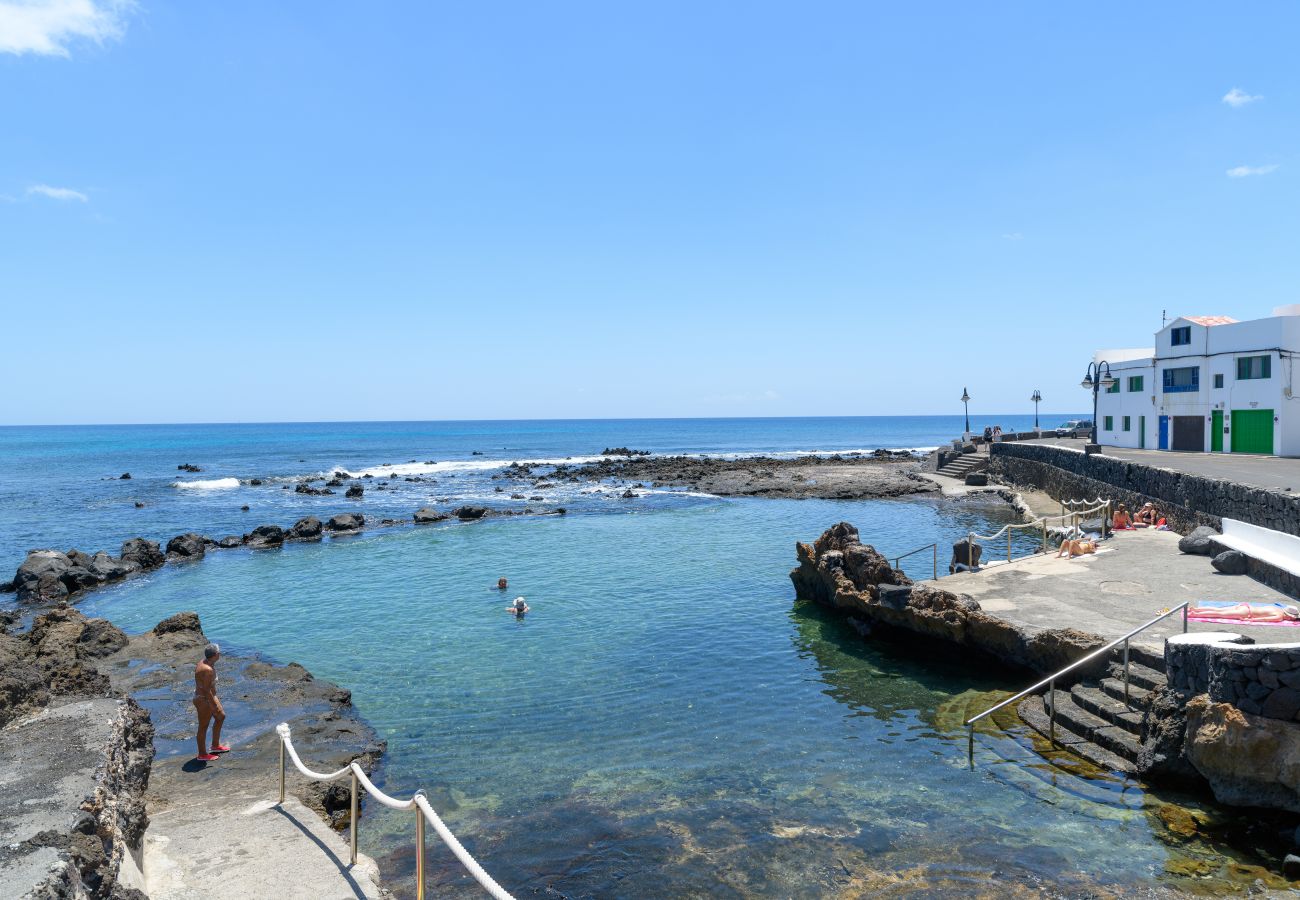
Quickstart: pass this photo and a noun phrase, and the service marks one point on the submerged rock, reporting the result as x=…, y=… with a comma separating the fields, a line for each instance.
x=427, y=514
x=230, y=541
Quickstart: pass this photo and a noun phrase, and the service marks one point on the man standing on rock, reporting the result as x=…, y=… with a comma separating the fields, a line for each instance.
x=207, y=705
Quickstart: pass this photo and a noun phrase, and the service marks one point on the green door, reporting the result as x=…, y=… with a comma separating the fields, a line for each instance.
x=1252, y=431
x=1216, y=432
x=1142, y=432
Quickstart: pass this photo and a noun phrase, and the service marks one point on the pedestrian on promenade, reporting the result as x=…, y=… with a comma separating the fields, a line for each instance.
x=207, y=704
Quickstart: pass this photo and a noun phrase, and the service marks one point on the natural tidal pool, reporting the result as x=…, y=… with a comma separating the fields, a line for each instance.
x=668, y=722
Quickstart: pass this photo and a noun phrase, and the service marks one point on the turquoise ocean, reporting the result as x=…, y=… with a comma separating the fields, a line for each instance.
x=668, y=721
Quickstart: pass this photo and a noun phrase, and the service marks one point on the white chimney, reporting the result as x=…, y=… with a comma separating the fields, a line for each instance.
x=1292, y=310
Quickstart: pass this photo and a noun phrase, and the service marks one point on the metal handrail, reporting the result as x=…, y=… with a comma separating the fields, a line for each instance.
x=934, y=547
x=1050, y=681
x=419, y=802
x=1074, y=518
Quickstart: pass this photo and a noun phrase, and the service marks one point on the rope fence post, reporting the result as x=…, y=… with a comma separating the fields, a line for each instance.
x=419, y=853
x=355, y=810
x=281, y=800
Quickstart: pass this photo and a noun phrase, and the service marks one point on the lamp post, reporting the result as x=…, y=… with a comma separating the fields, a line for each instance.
x=1037, y=398
x=965, y=399
x=1095, y=380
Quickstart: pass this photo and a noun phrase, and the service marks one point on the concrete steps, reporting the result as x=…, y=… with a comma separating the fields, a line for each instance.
x=964, y=465
x=1093, y=720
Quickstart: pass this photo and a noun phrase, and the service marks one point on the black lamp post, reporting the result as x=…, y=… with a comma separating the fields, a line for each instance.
x=1037, y=398
x=965, y=399
x=1095, y=380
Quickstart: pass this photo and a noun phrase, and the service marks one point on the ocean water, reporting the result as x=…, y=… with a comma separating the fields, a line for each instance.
x=667, y=721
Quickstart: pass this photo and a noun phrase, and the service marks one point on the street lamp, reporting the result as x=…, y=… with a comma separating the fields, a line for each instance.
x=1037, y=398
x=1094, y=381
x=965, y=399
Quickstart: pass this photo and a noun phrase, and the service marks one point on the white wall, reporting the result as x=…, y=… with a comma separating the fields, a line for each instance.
x=1134, y=404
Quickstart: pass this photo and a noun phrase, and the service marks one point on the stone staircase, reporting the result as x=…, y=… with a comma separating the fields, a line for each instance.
x=964, y=465
x=1092, y=719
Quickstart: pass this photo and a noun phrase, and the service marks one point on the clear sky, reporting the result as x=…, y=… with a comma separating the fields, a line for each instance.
x=262, y=211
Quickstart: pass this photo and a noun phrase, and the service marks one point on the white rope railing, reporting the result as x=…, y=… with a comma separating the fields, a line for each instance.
x=1073, y=517
x=419, y=803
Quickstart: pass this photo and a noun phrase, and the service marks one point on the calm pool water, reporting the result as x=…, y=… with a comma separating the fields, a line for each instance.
x=667, y=721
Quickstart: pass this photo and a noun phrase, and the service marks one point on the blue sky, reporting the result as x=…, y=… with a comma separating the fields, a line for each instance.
x=304, y=211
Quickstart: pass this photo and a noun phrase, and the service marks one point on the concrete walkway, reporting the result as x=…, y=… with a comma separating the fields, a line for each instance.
x=1272, y=472
x=212, y=838
x=1135, y=576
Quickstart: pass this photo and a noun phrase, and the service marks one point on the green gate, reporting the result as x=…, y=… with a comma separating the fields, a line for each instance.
x=1252, y=431
x=1216, y=431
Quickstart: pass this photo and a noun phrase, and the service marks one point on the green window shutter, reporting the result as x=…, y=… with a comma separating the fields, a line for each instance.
x=1243, y=369
x=1110, y=423
x=1266, y=366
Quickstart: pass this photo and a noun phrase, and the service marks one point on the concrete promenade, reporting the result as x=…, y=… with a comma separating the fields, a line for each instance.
x=1271, y=472
x=1133, y=578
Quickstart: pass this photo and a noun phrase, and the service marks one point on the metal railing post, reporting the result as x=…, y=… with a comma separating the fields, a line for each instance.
x=1184, y=619
x=970, y=744
x=356, y=807
x=970, y=551
x=1051, y=722
x=419, y=853
x=1126, y=702
x=281, y=770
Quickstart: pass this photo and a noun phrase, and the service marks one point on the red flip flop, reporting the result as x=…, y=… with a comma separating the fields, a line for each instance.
x=207, y=757
x=220, y=748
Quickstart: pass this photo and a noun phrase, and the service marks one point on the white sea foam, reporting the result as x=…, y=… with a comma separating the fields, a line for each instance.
x=208, y=484
x=455, y=465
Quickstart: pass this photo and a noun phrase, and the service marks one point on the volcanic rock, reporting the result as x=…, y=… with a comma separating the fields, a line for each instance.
x=144, y=554
x=39, y=578
x=467, y=513
x=308, y=529
x=230, y=542
x=125, y=476
x=187, y=546
x=265, y=536
x=427, y=514
x=355, y=492
x=1230, y=562
x=346, y=522
x=1201, y=542
x=182, y=621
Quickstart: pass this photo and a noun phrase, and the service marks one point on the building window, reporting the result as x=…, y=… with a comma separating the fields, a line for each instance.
x=1128, y=422
x=1186, y=380
x=1134, y=383
x=1249, y=367
x=1180, y=337
x=1109, y=423
x=1114, y=388
x=1218, y=380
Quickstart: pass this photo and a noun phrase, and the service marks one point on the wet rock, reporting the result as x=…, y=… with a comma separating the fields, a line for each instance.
x=187, y=546
x=39, y=578
x=254, y=482
x=145, y=555
x=469, y=513
x=244, y=508
x=139, y=505
x=355, y=492
x=306, y=529
x=265, y=536
x=517, y=497
x=346, y=522
x=181, y=622
x=305, y=488
x=125, y=476
x=630, y=494
x=188, y=467
x=1230, y=562
x=623, y=451
x=1201, y=542
x=427, y=515
x=230, y=542
x=109, y=568
x=1163, y=732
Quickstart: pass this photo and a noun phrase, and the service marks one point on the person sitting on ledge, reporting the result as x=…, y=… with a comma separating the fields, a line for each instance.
x=1121, y=521
x=1147, y=516
x=1076, y=547
x=502, y=584
x=1247, y=612
x=519, y=607
x=965, y=557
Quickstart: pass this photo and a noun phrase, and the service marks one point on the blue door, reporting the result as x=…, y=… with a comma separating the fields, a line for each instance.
x=1164, y=433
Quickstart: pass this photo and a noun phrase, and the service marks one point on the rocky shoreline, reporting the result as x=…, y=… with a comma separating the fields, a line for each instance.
x=837, y=477
x=80, y=682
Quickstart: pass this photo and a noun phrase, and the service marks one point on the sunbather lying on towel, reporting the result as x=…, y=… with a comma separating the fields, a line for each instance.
x=1076, y=547
x=1262, y=613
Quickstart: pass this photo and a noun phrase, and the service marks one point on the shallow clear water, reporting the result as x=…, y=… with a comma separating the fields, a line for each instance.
x=667, y=721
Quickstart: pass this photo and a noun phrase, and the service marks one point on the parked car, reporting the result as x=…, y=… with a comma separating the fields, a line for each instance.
x=1074, y=427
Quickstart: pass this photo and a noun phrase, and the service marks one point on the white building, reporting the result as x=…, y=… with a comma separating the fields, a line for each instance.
x=1210, y=384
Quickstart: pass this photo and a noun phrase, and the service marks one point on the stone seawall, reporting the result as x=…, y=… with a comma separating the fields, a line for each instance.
x=1187, y=500
x=1261, y=680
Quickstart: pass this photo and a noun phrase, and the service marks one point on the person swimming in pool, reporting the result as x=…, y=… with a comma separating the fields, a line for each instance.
x=519, y=607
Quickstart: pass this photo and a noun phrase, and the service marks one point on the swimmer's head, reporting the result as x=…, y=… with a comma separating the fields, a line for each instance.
x=519, y=603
